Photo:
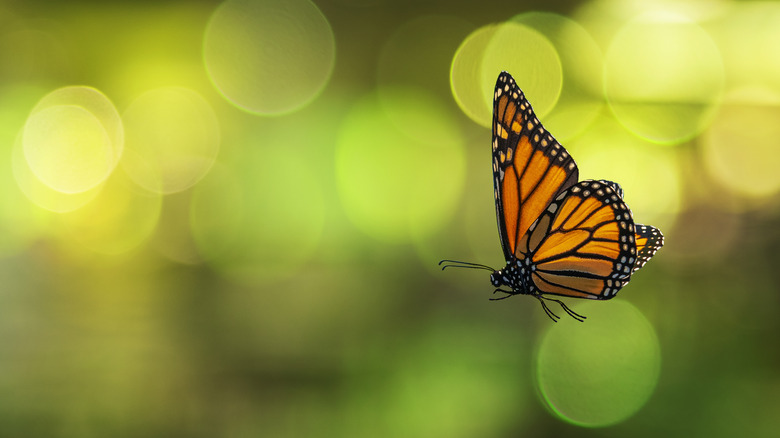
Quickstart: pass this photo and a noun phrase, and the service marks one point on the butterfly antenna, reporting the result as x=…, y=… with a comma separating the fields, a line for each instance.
x=458, y=264
x=573, y=314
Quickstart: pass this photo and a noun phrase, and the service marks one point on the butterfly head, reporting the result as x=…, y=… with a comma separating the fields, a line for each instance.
x=498, y=279
x=515, y=275
x=507, y=277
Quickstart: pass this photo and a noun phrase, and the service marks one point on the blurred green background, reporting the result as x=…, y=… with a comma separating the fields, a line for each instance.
x=224, y=219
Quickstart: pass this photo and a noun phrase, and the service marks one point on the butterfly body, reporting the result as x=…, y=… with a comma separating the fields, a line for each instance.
x=560, y=236
x=515, y=275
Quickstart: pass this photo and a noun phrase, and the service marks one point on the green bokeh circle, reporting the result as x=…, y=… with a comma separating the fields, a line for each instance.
x=602, y=371
x=269, y=56
x=399, y=164
x=260, y=219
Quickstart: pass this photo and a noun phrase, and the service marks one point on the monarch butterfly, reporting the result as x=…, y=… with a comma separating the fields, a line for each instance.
x=560, y=236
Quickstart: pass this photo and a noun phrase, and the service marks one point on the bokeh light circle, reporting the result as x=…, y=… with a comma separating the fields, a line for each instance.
x=97, y=103
x=261, y=219
x=73, y=139
x=119, y=219
x=582, y=63
x=511, y=46
x=530, y=58
x=765, y=36
x=41, y=194
x=740, y=148
x=648, y=173
x=269, y=56
x=67, y=148
x=172, y=139
x=466, y=76
x=405, y=181
x=602, y=371
x=663, y=77
x=419, y=53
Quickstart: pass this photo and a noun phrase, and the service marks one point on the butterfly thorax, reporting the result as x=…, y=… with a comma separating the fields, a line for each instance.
x=516, y=275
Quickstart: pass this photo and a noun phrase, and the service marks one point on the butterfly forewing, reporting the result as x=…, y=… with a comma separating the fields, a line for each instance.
x=530, y=168
x=583, y=245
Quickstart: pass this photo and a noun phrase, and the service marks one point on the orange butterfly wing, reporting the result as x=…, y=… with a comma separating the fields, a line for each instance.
x=530, y=168
x=648, y=238
x=583, y=245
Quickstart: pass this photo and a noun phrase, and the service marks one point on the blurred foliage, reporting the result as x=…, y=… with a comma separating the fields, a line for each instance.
x=223, y=219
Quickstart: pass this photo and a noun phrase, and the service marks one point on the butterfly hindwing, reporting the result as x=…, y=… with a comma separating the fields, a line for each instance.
x=615, y=186
x=583, y=243
x=648, y=241
x=530, y=167
x=648, y=238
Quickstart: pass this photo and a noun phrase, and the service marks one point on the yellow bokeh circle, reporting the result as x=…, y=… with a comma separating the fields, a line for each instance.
x=41, y=194
x=172, y=139
x=663, y=77
x=73, y=139
x=740, y=148
x=119, y=219
x=648, y=173
x=602, y=371
x=269, y=56
x=466, y=76
x=97, y=103
x=582, y=63
x=67, y=148
x=511, y=46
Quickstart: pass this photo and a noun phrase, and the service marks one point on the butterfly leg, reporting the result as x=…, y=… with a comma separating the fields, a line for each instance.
x=508, y=293
x=571, y=313
x=547, y=310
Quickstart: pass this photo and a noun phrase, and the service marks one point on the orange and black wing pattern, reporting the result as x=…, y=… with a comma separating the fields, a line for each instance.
x=615, y=186
x=583, y=245
x=648, y=241
x=530, y=168
x=648, y=238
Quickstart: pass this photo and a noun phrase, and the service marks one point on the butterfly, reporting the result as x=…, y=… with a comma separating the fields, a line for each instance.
x=560, y=236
